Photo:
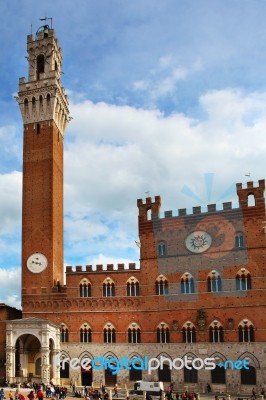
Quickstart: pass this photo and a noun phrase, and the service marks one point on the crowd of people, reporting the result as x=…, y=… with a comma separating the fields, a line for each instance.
x=37, y=392
x=90, y=393
x=51, y=391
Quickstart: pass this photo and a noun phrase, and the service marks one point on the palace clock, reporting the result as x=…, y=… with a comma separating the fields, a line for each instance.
x=37, y=262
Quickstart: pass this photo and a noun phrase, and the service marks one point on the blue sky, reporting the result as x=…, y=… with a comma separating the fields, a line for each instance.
x=162, y=92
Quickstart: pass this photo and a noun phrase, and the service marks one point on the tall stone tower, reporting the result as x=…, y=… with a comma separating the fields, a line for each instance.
x=44, y=109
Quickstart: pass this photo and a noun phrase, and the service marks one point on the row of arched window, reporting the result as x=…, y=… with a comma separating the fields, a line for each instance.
x=33, y=101
x=162, y=246
x=186, y=285
x=189, y=334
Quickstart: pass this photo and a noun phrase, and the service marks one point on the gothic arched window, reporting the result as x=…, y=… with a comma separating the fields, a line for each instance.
x=64, y=334
x=134, y=333
x=187, y=284
x=161, y=286
x=246, y=331
x=214, y=282
x=85, y=288
x=243, y=280
x=189, y=333
x=108, y=288
x=109, y=334
x=85, y=334
x=163, y=333
x=216, y=333
x=132, y=287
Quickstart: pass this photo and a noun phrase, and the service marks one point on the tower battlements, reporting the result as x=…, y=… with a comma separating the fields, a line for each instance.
x=243, y=191
x=101, y=268
x=211, y=208
x=250, y=185
x=42, y=97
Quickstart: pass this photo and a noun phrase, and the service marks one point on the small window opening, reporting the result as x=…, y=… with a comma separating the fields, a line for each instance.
x=149, y=214
x=33, y=104
x=38, y=129
x=40, y=65
x=251, y=200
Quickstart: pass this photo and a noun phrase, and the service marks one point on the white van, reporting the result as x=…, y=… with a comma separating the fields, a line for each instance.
x=152, y=388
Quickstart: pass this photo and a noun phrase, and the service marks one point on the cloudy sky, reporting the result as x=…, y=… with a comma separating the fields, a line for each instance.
x=168, y=97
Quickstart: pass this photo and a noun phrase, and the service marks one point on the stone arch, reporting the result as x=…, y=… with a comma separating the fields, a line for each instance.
x=219, y=356
x=26, y=340
x=247, y=355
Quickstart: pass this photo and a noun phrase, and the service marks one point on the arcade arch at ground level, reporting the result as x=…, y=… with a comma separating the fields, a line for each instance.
x=31, y=348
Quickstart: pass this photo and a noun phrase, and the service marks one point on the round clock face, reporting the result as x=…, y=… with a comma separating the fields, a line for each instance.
x=37, y=262
x=198, y=241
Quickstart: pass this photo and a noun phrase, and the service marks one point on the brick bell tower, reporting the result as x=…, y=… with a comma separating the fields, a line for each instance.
x=44, y=109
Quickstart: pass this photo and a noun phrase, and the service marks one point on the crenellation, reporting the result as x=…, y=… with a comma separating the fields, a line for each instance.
x=250, y=185
x=227, y=205
x=211, y=207
x=101, y=268
x=182, y=212
x=148, y=201
x=132, y=266
x=262, y=183
x=197, y=210
x=168, y=214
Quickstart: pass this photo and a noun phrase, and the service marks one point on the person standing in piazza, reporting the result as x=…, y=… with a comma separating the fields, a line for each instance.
x=31, y=395
x=115, y=391
x=39, y=394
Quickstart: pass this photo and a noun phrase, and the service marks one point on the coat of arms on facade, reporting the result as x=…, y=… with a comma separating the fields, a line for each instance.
x=201, y=320
x=230, y=323
x=175, y=325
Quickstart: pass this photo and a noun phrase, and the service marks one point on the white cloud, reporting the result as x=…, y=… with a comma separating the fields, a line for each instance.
x=10, y=287
x=162, y=80
x=9, y=143
x=10, y=202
